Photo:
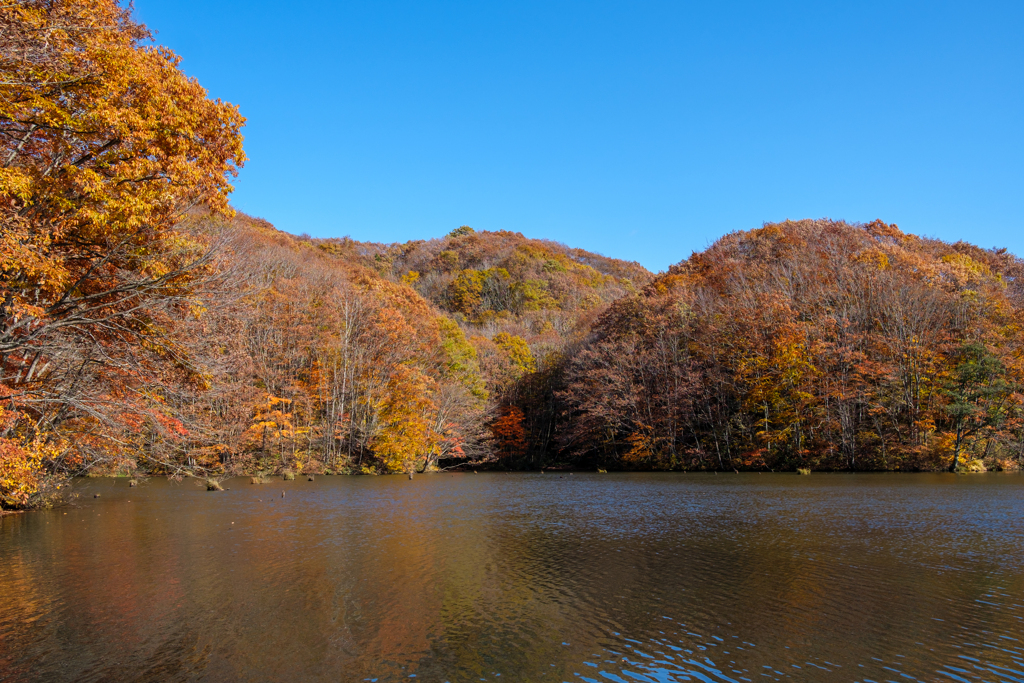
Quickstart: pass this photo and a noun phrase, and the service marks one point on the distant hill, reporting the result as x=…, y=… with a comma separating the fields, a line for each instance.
x=483, y=277
x=535, y=295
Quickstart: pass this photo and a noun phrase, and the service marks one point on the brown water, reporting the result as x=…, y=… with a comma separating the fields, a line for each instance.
x=502, y=577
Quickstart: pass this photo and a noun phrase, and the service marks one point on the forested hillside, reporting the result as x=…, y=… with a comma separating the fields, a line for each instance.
x=331, y=356
x=147, y=328
x=807, y=344
x=525, y=305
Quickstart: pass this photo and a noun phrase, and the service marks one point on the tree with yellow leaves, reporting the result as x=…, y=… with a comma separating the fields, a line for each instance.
x=405, y=433
x=272, y=424
x=104, y=143
x=517, y=350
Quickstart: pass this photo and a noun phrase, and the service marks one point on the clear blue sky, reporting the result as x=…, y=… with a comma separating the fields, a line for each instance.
x=641, y=130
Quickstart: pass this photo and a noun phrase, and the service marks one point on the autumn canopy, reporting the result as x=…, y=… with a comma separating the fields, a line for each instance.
x=105, y=142
x=147, y=329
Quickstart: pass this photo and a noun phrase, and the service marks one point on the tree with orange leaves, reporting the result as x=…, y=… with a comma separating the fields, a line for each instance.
x=104, y=143
x=509, y=433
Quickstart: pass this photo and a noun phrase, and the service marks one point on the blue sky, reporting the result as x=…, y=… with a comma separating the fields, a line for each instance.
x=640, y=130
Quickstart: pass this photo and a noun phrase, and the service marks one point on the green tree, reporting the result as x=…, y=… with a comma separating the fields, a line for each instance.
x=978, y=393
x=461, y=230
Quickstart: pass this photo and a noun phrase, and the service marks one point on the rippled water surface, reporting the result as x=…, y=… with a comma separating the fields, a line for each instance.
x=505, y=577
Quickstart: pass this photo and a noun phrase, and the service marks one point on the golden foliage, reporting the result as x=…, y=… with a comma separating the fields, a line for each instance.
x=517, y=350
x=405, y=434
x=105, y=144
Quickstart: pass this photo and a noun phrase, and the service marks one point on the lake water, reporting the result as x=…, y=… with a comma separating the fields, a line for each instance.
x=522, y=577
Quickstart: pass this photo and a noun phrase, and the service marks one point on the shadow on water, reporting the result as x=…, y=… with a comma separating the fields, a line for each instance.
x=498, y=577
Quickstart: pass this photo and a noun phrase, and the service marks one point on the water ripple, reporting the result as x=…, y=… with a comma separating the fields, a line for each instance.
x=503, y=577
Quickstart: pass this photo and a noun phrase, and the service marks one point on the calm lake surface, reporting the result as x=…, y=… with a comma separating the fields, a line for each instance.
x=522, y=577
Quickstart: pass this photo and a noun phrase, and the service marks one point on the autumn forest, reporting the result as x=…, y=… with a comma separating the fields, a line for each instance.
x=148, y=328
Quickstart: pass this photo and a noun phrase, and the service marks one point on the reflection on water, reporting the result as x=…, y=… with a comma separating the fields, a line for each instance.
x=500, y=577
